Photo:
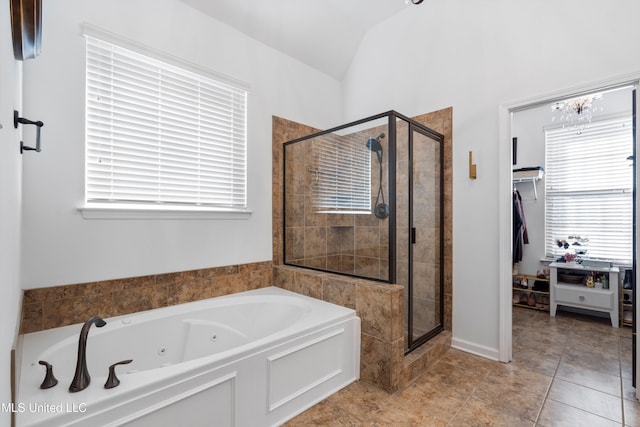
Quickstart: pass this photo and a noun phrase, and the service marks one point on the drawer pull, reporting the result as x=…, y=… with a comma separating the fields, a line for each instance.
x=581, y=297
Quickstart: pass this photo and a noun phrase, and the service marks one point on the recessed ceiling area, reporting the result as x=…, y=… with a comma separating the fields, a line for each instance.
x=323, y=34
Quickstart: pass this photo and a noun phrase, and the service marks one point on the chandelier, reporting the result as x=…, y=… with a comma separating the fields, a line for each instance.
x=576, y=112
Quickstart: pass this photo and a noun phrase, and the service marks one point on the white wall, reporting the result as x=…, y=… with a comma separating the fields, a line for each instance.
x=10, y=202
x=476, y=56
x=59, y=246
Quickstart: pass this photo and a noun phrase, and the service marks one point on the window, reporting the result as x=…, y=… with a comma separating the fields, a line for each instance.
x=161, y=135
x=589, y=189
x=342, y=183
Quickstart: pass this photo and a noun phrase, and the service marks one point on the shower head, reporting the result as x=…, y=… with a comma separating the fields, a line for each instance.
x=374, y=145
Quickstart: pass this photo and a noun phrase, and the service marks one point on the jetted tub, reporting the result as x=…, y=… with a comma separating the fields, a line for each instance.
x=255, y=358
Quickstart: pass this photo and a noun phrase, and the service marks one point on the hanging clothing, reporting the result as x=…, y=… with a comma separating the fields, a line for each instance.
x=520, y=236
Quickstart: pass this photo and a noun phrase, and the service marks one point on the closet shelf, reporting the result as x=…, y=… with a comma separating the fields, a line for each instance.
x=532, y=307
x=519, y=289
x=531, y=174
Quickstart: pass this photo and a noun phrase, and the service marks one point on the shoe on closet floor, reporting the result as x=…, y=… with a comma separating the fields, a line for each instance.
x=523, y=298
x=516, y=298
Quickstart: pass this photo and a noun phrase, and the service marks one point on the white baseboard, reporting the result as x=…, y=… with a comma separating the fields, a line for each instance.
x=473, y=348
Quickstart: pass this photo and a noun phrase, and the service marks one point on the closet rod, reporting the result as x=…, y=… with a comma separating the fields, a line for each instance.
x=533, y=181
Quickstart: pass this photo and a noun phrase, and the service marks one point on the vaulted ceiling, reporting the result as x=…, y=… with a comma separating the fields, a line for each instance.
x=324, y=34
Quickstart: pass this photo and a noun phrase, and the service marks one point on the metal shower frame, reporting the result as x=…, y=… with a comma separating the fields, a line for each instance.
x=413, y=126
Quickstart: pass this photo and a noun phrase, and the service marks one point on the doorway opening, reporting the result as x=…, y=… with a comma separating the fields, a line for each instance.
x=509, y=116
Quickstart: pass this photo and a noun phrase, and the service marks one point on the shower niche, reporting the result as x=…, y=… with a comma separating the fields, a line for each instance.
x=365, y=199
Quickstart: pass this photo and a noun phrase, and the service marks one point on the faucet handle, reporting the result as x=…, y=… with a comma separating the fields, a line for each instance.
x=49, y=379
x=112, y=380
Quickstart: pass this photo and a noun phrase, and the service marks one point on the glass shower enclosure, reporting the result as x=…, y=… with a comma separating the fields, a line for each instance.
x=365, y=200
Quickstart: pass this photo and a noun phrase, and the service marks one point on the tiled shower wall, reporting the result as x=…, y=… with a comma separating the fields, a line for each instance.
x=46, y=308
x=379, y=305
x=346, y=243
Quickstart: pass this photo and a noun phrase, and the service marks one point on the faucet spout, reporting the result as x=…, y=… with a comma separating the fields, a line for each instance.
x=81, y=379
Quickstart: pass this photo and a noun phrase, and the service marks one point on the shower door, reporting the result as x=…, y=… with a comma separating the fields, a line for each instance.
x=425, y=305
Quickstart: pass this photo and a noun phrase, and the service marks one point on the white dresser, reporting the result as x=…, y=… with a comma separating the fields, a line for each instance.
x=568, y=289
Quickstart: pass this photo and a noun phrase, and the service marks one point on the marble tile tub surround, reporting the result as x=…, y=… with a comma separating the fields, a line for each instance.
x=45, y=308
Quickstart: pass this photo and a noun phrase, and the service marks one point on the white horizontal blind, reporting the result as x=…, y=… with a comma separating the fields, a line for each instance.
x=589, y=187
x=343, y=183
x=162, y=135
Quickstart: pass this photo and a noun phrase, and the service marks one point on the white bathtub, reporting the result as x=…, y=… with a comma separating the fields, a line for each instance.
x=256, y=358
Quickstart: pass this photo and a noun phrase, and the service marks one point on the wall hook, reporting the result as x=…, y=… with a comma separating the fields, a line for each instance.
x=472, y=167
x=21, y=120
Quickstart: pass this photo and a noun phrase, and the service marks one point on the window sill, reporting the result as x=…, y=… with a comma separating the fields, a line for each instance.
x=154, y=212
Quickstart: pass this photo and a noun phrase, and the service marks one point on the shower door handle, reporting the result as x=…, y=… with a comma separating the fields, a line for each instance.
x=413, y=234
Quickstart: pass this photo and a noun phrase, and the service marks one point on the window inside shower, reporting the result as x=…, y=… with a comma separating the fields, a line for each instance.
x=331, y=182
x=365, y=200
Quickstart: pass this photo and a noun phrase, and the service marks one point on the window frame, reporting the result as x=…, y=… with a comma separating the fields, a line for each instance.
x=116, y=210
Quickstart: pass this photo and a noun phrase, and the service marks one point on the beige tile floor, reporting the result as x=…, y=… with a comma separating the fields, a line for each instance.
x=571, y=370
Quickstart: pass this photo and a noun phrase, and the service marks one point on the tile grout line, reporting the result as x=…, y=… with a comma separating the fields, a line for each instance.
x=619, y=359
x=470, y=396
x=553, y=378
